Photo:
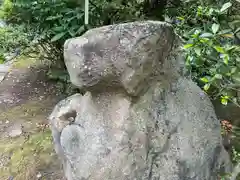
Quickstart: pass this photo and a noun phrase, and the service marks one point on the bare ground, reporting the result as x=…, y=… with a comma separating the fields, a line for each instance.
x=26, y=99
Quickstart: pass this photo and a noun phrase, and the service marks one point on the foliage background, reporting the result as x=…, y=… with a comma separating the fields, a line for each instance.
x=210, y=30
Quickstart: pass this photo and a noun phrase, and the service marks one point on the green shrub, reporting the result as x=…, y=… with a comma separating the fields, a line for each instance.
x=209, y=29
x=50, y=23
x=6, y=9
x=212, y=48
x=12, y=38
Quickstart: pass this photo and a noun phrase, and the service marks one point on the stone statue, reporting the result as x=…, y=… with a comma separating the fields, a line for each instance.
x=140, y=117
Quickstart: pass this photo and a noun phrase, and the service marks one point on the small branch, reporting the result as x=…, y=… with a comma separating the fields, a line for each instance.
x=238, y=105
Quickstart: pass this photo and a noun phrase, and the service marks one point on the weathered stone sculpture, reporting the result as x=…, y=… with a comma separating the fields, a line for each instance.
x=140, y=118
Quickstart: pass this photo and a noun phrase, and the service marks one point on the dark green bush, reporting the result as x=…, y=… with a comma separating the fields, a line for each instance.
x=211, y=34
x=210, y=30
x=49, y=23
x=6, y=9
x=11, y=39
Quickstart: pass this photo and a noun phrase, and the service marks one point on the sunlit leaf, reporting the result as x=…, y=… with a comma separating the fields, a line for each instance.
x=224, y=101
x=204, y=40
x=197, y=51
x=226, y=6
x=215, y=28
x=227, y=35
x=233, y=70
x=1, y=60
x=197, y=32
x=58, y=29
x=218, y=76
x=205, y=35
x=206, y=87
x=234, y=100
x=180, y=18
x=237, y=30
x=58, y=36
x=226, y=59
x=71, y=32
x=187, y=46
x=231, y=48
x=219, y=49
x=211, y=10
x=50, y=18
x=80, y=30
x=204, y=79
x=225, y=31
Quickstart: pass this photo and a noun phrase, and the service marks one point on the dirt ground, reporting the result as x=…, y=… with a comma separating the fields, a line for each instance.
x=26, y=99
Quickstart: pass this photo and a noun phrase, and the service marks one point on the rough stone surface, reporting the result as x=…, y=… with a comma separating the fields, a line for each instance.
x=141, y=119
x=125, y=55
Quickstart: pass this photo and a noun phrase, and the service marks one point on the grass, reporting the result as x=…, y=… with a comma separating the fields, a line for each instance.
x=24, y=62
x=25, y=156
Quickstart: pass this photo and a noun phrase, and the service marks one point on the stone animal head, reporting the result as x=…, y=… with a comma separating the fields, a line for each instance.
x=122, y=55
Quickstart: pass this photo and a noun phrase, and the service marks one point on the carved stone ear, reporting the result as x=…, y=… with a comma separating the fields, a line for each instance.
x=65, y=112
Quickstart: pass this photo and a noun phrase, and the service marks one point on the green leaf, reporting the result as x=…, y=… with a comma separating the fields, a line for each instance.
x=213, y=70
x=58, y=36
x=226, y=59
x=71, y=32
x=226, y=6
x=233, y=70
x=228, y=35
x=206, y=35
x=197, y=51
x=187, y=46
x=80, y=30
x=204, y=40
x=180, y=18
x=58, y=29
x=1, y=60
x=71, y=18
x=230, y=48
x=237, y=30
x=236, y=77
x=210, y=12
x=234, y=100
x=79, y=16
x=53, y=17
x=204, y=79
x=206, y=87
x=219, y=49
x=225, y=31
x=215, y=28
x=188, y=33
x=224, y=101
x=218, y=76
x=189, y=60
